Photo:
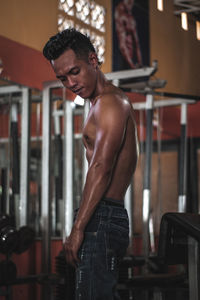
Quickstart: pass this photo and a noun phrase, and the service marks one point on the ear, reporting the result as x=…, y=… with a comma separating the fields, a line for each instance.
x=93, y=60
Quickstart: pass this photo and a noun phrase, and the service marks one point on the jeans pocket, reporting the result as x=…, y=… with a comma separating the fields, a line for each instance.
x=118, y=238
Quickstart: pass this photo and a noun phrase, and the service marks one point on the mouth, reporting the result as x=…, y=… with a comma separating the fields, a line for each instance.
x=77, y=92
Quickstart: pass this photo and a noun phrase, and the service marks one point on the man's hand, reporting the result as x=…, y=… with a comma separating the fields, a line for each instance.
x=72, y=245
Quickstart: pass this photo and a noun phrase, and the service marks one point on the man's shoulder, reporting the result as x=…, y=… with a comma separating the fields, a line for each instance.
x=112, y=105
x=114, y=98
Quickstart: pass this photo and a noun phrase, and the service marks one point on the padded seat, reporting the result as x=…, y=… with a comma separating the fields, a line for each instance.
x=179, y=240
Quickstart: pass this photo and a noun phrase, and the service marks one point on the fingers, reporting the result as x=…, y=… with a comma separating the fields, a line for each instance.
x=71, y=254
x=72, y=245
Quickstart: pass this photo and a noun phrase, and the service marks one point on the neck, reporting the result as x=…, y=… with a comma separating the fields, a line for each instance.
x=101, y=82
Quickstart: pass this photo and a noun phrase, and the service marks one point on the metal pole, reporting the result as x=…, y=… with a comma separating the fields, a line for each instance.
x=129, y=207
x=193, y=269
x=57, y=209
x=85, y=163
x=38, y=180
x=45, y=199
x=183, y=160
x=147, y=175
x=14, y=200
x=68, y=168
x=25, y=157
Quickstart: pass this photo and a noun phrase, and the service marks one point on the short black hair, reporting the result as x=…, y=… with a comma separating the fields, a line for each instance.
x=68, y=39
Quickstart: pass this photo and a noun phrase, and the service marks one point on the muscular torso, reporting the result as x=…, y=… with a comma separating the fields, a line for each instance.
x=124, y=19
x=127, y=155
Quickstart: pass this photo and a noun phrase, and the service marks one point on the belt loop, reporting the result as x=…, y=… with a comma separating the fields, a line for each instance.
x=110, y=212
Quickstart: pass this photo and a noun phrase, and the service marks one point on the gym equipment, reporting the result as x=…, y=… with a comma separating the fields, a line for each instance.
x=126, y=269
x=8, y=234
x=183, y=237
x=26, y=237
x=147, y=175
x=25, y=156
x=182, y=199
x=8, y=271
x=20, y=192
x=12, y=240
x=8, y=239
x=4, y=175
x=15, y=148
x=179, y=241
x=65, y=289
x=183, y=101
x=6, y=220
x=14, y=198
x=4, y=189
x=58, y=174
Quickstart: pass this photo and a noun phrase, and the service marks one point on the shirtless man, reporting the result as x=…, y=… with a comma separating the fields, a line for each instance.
x=100, y=234
x=127, y=33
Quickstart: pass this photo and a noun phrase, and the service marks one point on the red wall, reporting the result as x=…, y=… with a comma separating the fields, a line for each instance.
x=24, y=65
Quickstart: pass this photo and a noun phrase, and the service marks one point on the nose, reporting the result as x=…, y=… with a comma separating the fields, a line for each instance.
x=71, y=83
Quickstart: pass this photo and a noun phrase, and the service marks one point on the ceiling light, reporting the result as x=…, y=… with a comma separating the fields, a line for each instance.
x=184, y=21
x=160, y=5
x=198, y=30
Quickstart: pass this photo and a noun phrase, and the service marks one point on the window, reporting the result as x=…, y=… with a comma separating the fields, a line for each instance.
x=86, y=16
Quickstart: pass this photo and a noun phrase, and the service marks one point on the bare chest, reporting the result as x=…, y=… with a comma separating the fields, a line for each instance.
x=89, y=132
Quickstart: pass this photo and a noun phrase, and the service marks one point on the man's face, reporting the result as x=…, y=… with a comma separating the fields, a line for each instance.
x=76, y=74
x=129, y=4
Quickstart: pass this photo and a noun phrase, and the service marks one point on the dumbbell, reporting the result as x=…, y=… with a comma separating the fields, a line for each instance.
x=26, y=236
x=8, y=271
x=6, y=220
x=8, y=239
x=66, y=288
x=8, y=234
x=12, y=240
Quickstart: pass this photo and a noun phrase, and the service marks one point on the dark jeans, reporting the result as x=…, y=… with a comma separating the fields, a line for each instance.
x=105, y=243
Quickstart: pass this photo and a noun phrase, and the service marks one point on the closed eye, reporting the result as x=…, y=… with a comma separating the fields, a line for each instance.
x=62, y=78
x=74, y=71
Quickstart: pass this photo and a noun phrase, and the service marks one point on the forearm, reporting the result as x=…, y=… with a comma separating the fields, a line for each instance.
x=97, y=182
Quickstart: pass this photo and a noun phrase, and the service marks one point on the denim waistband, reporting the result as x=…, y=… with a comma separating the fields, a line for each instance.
x=112, y=202
x=105, y=210
x=106, y=214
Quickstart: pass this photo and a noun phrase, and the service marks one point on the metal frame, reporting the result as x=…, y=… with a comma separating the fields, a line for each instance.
x=182, y=201
x=25, y=146
x=149, y=105
x=189, y=6
x=68, y=169
x=45, y=184
x=131, y=74
x=85, y=163
x=193, y=268
x=147, y=175
x=25, y=157
x=128, y=203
